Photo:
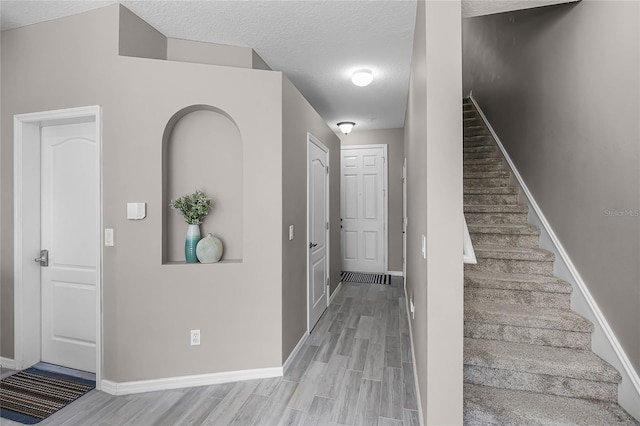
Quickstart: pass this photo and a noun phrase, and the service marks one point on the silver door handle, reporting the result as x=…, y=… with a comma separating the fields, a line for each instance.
x=43, y=260
x=311, y=245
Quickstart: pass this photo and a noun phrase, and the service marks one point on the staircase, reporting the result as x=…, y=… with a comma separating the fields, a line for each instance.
x=527, y=356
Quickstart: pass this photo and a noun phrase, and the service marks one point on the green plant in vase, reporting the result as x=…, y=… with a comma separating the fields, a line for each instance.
x=194, y=208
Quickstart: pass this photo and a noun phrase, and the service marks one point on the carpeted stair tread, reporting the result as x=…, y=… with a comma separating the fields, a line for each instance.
x=481, y=148
x=498, y=174
x=505, y=229
x=482, y=161
x=526, y=316
x=524, y=282
x=484, y=190
x=514, y=253
x=495, y=208
x=484, y=405
x=546, y=360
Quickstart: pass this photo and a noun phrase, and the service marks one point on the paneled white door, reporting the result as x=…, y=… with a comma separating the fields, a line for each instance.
x=69, y=215
x=363, y=208
x=318, y=239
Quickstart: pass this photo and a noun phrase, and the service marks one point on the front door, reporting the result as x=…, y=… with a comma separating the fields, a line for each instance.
x=363, y=210
x=318, y=169
x=69, y=216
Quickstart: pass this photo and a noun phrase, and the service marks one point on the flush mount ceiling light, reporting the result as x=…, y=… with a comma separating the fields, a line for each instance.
x=362, y=78
x=346, y=126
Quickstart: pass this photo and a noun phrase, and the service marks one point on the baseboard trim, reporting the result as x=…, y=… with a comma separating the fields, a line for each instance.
x=413, y=357
x=395, y=273
x=335, y=292
x=295, y=350
x=604, y=342
x=126, y=388
x=8, y=363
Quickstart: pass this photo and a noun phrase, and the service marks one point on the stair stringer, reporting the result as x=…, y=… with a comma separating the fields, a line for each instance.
x=603, y=342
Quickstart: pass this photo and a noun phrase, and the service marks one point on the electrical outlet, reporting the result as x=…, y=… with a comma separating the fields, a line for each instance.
x=195, y=337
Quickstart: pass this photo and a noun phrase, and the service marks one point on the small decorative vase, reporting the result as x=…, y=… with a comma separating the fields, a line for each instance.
x=209, y=249
x=193, y=236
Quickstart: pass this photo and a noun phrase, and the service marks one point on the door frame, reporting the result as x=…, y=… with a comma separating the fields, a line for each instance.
x=313, y=140
x=385, y=202
x=27, y=223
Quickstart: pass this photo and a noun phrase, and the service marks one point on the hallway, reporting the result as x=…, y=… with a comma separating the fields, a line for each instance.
x=355, y=369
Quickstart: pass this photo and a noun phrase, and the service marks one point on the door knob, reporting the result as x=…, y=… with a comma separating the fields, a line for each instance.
x=311, y=245
x=43, y=260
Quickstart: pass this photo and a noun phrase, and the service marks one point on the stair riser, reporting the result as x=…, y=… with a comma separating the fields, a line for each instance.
x=479, y=161
x=528, y=335
x=477, y=142
x=483, y=168
x=481, y=148
x=476, y=132
x=541, y=383
x=519, y=297
x=512, y=266
x=481, y=154
x=505, y=240
x=500, y=174
x=496, y=218
x=484, y=199
x=487, y=182
x=469, y=114
x=472, y=121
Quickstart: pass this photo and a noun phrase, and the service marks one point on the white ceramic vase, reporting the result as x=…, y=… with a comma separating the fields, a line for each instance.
x=209, y=249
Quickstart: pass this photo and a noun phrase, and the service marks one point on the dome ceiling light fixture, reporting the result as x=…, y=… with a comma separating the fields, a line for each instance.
x=346, y=126
x=362, y=78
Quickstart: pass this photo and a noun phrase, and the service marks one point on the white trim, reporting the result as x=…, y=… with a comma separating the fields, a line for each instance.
x=604, y=342
x=468, y=253
x=26, y=154
x=333, y=295
x=385, y=184
x=126, y=388
x=7, y=363
x=295, y=351
x=413, y=358
x=312, y=139
x=395, y=273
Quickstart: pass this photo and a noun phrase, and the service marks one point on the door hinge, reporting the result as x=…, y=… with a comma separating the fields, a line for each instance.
x=327, y=225
x=327, y=169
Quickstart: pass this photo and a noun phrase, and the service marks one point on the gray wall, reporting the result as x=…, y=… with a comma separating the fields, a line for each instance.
x=433, y=147
x=298, y=118
x=560, y=85
x=394, y=139
x=149, y=308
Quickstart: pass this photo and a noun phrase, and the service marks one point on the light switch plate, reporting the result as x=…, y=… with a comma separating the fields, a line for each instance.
x=136, y=211
x=290, y=232
x=108, y=237
x=424, y=247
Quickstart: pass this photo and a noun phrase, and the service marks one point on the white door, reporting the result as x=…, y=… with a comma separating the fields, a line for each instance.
x=318, y=239
x=363, y=181
x=68, y=231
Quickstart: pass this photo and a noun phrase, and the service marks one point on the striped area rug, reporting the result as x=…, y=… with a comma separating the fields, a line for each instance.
x=32, y=395
x=357, y=277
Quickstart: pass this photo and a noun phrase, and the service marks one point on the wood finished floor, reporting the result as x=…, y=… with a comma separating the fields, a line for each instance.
x=355, y=369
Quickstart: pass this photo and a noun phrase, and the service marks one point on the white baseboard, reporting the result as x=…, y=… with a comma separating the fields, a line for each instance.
x=126, y=388
x=8, y=363
x=413, y=357
x=395, y=273
x=604, y=342
x=295, y=350
x=335, y=292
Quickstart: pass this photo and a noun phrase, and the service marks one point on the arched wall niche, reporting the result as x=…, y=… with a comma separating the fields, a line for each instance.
x=202, y=149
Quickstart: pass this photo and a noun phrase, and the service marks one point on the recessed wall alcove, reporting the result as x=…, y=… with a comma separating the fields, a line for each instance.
x=202, y=149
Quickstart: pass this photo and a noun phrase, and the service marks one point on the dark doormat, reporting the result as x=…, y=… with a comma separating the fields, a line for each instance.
x=358, y=277
x=32, y=395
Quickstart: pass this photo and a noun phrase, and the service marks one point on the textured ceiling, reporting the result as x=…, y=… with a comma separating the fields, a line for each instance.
x=316, y=43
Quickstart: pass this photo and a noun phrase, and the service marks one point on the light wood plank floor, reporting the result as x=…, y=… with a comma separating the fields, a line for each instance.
x=355, y=369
